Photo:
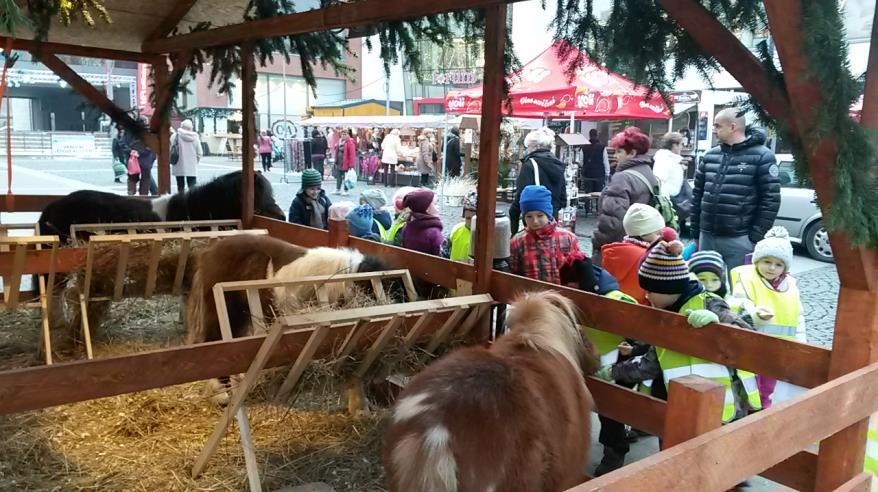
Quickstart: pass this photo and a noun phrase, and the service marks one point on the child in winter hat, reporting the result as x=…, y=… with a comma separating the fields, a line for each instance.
x=310, y=207
x=710, y=269
x=771, y=292
x=376, y=199
x=456, y=245
x=423, y=231
x=360, y=222
x=542, y=248
x=643, y=225
x=664, y=276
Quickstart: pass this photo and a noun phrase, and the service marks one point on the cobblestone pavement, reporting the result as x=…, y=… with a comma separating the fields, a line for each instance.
x=819, y=293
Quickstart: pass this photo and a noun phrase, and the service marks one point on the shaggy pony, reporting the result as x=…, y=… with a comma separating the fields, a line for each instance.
x=512, y=417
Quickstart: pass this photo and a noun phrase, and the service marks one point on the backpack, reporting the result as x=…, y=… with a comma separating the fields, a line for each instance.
x=658, y=201
x=175, y=150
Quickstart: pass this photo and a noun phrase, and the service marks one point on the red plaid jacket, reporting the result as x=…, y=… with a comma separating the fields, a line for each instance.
x=541, y=254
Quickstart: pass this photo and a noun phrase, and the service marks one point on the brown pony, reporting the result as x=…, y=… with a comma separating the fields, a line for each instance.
x=512, y=417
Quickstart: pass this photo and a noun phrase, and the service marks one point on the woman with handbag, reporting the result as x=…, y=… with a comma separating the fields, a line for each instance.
x=671, y=171
x=539, y=167
x=188, y=154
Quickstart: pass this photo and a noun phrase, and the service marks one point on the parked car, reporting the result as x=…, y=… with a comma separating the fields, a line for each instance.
x=799, y=212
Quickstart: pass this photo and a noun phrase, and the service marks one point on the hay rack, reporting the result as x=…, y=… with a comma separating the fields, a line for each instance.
x=410, y=322
x=122, y=244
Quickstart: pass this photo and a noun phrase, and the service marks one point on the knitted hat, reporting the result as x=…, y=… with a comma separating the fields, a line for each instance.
x=471, y=200
x=418, y=200
x=311, y=177
x=708, y=261
x=663, y=269
x=641, y=219
x=375, y=198
x=400, y=195
x=776, y=244
x=536, y=198
x=360, y=221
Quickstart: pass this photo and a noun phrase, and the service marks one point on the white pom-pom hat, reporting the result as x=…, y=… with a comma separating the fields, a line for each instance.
x=776, y=244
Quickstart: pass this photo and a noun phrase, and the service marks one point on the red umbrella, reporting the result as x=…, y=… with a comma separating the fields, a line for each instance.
x=542, y=88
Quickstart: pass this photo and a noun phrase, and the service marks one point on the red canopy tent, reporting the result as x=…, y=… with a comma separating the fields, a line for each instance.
x=542, y=88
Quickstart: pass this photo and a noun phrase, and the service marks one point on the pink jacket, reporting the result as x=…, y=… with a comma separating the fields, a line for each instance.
x=264, y=143
x=350, y=155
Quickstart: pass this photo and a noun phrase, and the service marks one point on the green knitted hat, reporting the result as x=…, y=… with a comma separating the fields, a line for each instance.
x=310, y=178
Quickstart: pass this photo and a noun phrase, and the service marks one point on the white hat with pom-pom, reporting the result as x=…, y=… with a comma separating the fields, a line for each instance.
x=777, y=245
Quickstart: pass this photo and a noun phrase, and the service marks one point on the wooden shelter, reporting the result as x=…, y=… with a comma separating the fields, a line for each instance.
x=699, y=454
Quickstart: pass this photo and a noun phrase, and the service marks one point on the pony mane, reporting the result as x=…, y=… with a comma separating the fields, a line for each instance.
x=316, y=262
x=548, y=321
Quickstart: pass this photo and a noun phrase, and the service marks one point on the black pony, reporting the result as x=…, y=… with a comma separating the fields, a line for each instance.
x=219, y=199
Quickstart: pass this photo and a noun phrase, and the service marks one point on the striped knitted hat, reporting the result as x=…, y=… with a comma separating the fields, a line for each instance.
x=664, y=270
x=708, y=261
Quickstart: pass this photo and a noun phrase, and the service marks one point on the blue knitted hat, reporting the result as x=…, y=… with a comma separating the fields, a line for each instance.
x=360, y=221
x=536, y=198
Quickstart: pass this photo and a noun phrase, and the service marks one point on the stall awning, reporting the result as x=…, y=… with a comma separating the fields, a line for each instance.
x=418, y=121
x=542, y=88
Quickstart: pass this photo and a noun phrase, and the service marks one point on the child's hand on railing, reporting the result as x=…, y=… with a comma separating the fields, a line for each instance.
x=701, y=317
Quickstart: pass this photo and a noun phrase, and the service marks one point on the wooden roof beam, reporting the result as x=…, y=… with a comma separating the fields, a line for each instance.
x=96, y=97
x=361, y=13
x=76, y=50
x=167, y=25
x=164, y=97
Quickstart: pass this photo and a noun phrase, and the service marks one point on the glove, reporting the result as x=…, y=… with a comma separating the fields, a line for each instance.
x=701, y=317
x=605, y=373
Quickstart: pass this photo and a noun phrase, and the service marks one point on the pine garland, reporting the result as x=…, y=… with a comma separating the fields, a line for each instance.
x=639, y=38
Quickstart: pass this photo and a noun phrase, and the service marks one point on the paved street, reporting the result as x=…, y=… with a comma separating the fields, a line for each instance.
x=818, y=282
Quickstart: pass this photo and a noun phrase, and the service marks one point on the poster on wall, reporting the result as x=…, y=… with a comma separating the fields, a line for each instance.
x=77, y=145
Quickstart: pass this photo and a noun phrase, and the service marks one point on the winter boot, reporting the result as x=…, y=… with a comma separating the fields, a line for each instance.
x=612, y=460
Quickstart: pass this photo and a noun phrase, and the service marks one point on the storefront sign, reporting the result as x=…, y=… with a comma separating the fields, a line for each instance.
x=284, y=129
x=77, y=145
x=454, y=77
x=686, y=97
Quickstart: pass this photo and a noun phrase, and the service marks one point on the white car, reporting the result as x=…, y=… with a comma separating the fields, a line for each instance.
x=800, y=214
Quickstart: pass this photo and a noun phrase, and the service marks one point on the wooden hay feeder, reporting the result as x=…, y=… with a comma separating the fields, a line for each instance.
x=388, y=321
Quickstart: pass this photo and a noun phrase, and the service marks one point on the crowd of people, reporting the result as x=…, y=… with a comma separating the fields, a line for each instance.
x=736, y=270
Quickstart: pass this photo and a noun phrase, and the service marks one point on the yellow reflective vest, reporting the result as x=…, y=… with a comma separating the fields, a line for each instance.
x=675, y=365
x=460, y=238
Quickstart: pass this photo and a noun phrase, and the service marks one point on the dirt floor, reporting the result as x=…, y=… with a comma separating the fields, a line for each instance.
x=149, y=440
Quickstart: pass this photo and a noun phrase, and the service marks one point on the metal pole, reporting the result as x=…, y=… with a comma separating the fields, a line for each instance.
x=386, y=95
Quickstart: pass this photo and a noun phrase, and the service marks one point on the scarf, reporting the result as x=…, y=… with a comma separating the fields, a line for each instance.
x=317, y=210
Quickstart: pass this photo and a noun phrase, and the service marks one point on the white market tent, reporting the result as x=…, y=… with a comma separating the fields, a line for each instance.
x=401, y=122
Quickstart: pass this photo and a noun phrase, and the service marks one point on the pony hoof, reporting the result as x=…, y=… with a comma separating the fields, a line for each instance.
x=218, y=393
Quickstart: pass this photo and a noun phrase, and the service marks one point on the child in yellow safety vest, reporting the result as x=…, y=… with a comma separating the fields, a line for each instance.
x=664, y=276
x=770, y=292
x=456, y=245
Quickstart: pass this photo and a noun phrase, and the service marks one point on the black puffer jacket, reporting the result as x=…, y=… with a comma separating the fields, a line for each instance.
x=737, y=191
x=551, y=176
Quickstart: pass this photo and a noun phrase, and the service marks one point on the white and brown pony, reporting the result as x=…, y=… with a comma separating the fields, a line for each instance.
x=263, y=257
x=512, y=417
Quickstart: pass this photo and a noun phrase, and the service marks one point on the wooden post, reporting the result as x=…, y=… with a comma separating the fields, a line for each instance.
x=162, y=115
x=338, y=233
x=248, y=122
x=695, y=406
x=489, y=148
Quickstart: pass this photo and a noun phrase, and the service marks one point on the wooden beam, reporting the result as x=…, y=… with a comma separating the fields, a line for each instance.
x=338, y=233
x=801, y=364
x=164, y=98
x=170, y=21
x=430, y=268
x=628, y=406
x=860, y=483
x=28, y=203
x=161, y=125
x=96, y=97
x=715, y=39
x=248, y=123
x=489, y=150
x=299, y=235
x=855, y=343
x=362, y=13
x=67, y=260
x=76, y=50
x=695, y=407
x=721, y=464
x=797, y=472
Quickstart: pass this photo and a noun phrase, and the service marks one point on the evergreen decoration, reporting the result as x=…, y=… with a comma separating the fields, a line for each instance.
x=11, y=18
x=641, y=40
x=41, y=13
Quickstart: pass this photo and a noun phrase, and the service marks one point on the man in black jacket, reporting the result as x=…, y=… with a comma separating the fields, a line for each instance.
x=595, y=164
x=737, y=192
x=453, y=161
